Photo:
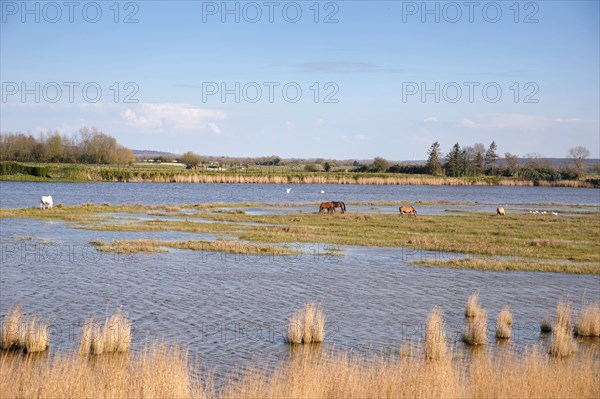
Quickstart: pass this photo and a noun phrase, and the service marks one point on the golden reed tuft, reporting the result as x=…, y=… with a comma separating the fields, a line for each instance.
x=307, y=325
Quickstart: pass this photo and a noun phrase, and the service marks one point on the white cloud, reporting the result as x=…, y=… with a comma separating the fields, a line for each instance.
x=431, y=119
x=520, y=122
x=289, y=125
x=164, y=117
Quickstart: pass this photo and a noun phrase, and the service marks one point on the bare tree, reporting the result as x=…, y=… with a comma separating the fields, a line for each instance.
x=578, y=155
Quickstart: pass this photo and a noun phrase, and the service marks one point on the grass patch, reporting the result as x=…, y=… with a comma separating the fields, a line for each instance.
x=562, y=343
x=504, y=323
x=307, y=325
x=436, y=347
x=513, y=265
x=588, y=323
x=232, y=247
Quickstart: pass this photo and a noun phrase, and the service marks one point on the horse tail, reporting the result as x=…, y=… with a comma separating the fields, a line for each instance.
x=343, y=207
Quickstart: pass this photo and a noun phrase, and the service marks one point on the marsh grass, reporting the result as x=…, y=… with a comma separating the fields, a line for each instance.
x=504, y=323
x=436, y=347
x=472, y=305
x=506, y=375
x=12, y=328
x=157, y=371
x=565, y=244
x=588, y=322
x=113, y=337
x=307, y=325
x=226, y=246
x=36, y=336
x=562, y=343
x=476, y=328
x=29, y=334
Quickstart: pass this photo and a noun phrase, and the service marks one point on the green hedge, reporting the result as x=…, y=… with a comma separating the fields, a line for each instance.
x=15, y=168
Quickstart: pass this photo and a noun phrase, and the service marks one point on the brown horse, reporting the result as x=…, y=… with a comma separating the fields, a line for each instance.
x=409, y=210
x=339, y=204
x=326, y=206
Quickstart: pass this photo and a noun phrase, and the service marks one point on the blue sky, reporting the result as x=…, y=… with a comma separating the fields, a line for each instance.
x=356, y=80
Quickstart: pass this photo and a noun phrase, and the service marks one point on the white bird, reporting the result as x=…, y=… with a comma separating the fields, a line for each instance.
x=287, y=190
x=555, y=214
x=543, y=212
x=322, y=192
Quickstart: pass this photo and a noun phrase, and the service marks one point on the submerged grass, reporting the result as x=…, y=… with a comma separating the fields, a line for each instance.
x=232, y=247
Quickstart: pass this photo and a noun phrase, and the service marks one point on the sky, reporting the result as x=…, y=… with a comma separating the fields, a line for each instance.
x=306, y=79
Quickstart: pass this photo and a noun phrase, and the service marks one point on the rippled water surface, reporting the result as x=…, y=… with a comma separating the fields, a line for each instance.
x=230, y=309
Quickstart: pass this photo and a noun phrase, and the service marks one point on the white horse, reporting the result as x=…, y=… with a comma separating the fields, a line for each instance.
x=46, y=202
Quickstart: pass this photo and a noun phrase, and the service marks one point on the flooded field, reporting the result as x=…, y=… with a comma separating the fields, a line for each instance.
x=232, y=309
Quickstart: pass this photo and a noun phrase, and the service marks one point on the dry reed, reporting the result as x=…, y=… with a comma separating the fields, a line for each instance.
x=472, y=305
x=504, y=323
x=114, y=336
x=562, y=344
x=158, y=371
x=588, y=323
x=476, y=329
x=343, y=376
x=11, y=329
x=21, y=333
x=307, y=325
x=436, y=348
x=36, y=336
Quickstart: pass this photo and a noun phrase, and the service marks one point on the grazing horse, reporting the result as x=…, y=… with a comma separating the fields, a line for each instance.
x=328, y=206
x=409, y=210
x=500, y=211
x=339, y=204
x=46, y=202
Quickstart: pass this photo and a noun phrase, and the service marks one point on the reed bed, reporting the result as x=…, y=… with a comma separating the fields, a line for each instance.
x=340, y=375
x=23, y=333
x=476, y=329
x=562, y=344
x=114, y=336
x=504, y=323
x=157, y=371
x=307, y=325
x=472, y=305
x=436, y=347
x=588, y=323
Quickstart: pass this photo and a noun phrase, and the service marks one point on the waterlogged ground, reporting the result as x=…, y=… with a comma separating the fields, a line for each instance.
x=231, y=309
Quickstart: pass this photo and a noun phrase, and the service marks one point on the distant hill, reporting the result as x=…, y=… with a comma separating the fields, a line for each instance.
x=149, y=154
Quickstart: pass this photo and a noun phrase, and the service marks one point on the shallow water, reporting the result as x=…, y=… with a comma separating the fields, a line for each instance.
x=232, y=309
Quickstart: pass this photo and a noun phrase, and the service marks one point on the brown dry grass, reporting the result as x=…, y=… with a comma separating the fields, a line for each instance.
x=158, y=371
x=22, y=333
x=476, y=328
x=342, y=376
x=504, y=323
x=307, y=325
x=588, y=323
x=36, y=336
x=11, y=328
x=114, y=336
x=436, y=347
x=472, y=305
x=562, y=344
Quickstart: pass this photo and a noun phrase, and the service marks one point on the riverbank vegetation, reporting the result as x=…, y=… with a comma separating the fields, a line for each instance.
x=92, y=155
x=432, y=370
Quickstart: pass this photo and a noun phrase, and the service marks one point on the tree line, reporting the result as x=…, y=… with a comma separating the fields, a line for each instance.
x=88, y=145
